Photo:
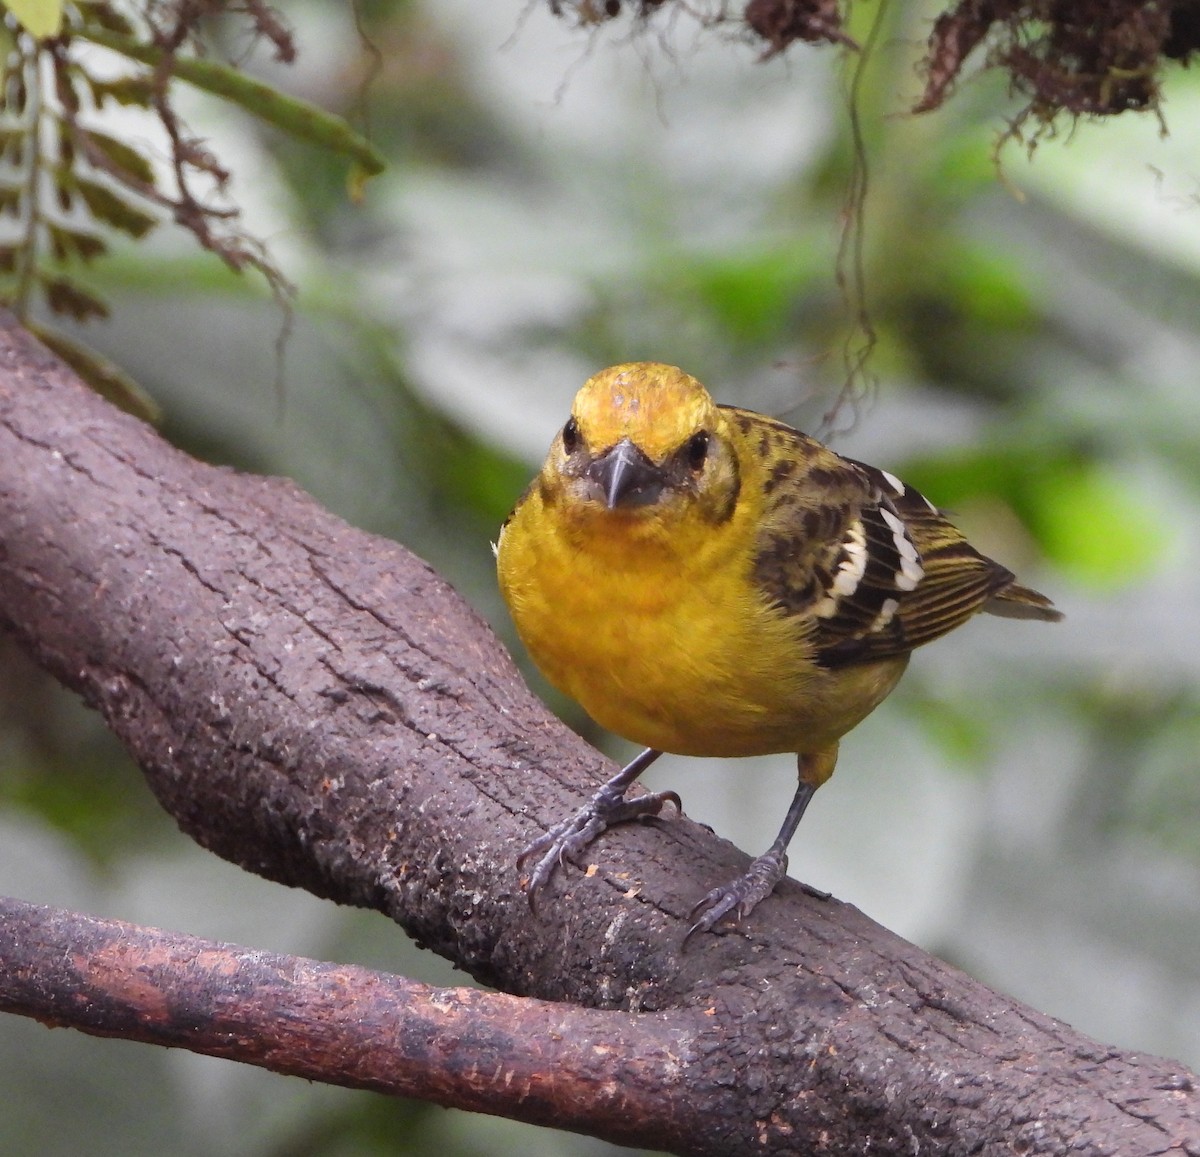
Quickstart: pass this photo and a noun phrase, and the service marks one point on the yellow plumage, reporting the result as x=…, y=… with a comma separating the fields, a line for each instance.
x=708, y=581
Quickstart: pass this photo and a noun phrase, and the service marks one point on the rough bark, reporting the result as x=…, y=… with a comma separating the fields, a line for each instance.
x=605, y=1072
x=315, y=704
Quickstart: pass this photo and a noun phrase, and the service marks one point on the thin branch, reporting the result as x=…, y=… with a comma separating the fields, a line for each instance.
x=610, y=1074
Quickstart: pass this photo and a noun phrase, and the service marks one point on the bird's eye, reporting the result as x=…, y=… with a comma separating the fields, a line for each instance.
x=697, y=450
x=570, y=435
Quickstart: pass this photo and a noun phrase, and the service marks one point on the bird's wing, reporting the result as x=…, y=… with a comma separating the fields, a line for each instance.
x=870, y=562
x=954, y=581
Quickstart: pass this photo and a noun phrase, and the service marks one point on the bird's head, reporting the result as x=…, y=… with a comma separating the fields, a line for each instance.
x=644, y=443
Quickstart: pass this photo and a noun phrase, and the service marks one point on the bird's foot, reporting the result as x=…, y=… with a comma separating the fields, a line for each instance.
x=566, y=840
x=740, y=896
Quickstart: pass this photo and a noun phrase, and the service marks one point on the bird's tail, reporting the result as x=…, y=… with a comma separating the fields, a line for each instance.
x=1017, y=602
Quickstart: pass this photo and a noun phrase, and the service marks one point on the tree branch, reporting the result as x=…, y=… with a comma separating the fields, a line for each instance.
x=315, y=704
x=608, y=1073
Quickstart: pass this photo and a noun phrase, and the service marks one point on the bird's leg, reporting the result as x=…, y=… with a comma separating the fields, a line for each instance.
x=743, y=895
x=608, y=806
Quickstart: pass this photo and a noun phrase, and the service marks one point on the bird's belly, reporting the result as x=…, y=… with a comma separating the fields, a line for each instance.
x=689, y=667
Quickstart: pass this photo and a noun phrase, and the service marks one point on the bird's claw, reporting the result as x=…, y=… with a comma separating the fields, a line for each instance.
x=740, y=896
x=566, y=840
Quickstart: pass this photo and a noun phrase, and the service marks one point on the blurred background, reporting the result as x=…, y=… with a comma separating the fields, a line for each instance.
x=1027, y=805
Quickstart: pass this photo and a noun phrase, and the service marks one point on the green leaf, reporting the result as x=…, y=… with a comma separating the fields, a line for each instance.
x=987, y=284
x=12, y=145
x=482, y=479
x=108, y=207
x=65, y=297
x=1095, y=529
x=40, y=18
x=104, y=15
x=66, y=243
x=16, y=92
x=134, y=91
x=103, y=376
x=298, y=117
x=753, y=294
x=123, y=158
x=960, y=734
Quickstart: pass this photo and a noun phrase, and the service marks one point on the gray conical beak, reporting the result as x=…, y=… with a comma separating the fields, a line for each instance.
x=625, y=476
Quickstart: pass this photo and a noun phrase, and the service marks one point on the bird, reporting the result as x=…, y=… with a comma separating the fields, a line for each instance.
x=706, y=580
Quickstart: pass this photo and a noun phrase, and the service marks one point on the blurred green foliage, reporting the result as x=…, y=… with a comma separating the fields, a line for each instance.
x=1084, y=517
x=556, y=200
